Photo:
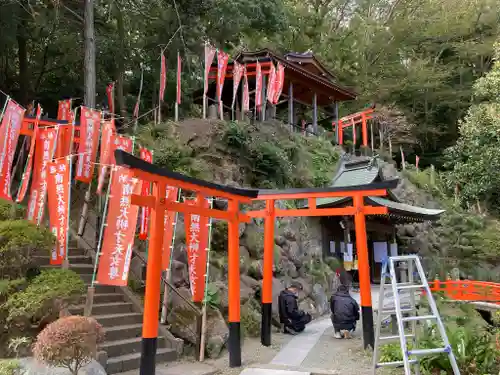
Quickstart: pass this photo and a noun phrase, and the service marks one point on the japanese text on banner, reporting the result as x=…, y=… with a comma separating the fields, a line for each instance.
x=10, y=128
x=197, y=247
x=58, y=197
x=46, y=142
x=90, y=125
x=121, y=222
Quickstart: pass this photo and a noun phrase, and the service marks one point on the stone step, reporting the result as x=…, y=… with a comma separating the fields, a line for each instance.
x=105, y=298
x=132, y=361
x=80, y=268
x=104, y=308
x=117, y=320
x=122, y=347
x=123, y=332
x=44, y=260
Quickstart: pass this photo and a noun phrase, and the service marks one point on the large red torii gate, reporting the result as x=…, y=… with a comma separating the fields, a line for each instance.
x=161, y=178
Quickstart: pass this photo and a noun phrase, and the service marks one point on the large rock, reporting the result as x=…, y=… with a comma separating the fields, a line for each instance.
x=311, y=248
x=320, y=299
x=217, y=333
x=290, y=234
x=307, y=305
x=30, y=366
x=278, y=286
x=244, y=259
x=180, y=253
x=294, y=253
x=280, y=240
x=253, y=240
x=255, y=269
x=181, y=317
x=306, y=287
x=287, y=268
x=250, y=282
x=180, y=274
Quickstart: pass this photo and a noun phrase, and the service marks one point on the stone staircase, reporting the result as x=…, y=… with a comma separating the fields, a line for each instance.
x=120, y=313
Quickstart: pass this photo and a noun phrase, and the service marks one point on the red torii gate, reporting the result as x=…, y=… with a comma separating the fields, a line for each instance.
x=161, y=178
x=351, y=121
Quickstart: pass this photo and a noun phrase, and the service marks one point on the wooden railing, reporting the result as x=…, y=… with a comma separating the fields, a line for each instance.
x=468, y=290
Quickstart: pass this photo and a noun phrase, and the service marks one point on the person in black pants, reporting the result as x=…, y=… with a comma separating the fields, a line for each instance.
x=293, y=319
x=345, y=313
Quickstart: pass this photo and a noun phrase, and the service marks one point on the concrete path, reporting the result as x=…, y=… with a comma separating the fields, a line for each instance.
x=294, y=353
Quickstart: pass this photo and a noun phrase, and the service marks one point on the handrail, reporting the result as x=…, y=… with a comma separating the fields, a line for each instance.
x=468, y=290
x=172, y=287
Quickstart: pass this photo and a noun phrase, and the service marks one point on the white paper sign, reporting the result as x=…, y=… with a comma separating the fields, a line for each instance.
x=342, y=247
x=394, y=249
x=349, y=249
x=379, y=251
x=332, y=247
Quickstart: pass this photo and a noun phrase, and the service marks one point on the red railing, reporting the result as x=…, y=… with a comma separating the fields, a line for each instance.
x=467, y=290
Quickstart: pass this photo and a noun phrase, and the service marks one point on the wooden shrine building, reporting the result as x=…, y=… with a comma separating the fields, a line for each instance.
x=310, y=94
x=338, y=235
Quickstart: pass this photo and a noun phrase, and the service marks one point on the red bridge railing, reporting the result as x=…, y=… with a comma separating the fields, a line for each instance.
x=467, y=290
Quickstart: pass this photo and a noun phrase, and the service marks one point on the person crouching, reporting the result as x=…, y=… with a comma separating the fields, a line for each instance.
x=345, y=313
x=293, y=319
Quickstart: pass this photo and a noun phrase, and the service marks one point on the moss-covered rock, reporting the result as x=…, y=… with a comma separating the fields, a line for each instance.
x=254, y=241
x=250, y=319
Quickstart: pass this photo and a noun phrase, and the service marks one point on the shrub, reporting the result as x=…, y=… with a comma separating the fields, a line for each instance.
x=9, y=367
x=69, y=342
x=18, y=240
x=49, y=292
x=11, y=211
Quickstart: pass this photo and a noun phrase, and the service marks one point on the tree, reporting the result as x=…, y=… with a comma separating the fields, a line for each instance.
x=475, y=158
x=89, y=64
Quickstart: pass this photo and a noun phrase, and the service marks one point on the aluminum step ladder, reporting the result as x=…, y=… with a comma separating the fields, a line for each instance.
x=412, y=282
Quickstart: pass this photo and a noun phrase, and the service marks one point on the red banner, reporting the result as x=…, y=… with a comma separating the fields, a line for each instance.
x=238, y=70
x=45, y=145
x=280, y=81
x=90, y=124
x=258, y=87
x=246, y=93
x=179, y=70
x=120, y=142
x=23, y=189
x=108, y=129
x=9, y=134
x=121, y=222
x=145, y=155
x=196, y=228
x=58, y=186
x=168, y=224
x=209, y=57
x=163, y=77
x=110, y=92
x=222, y=60
x=64, y=109
x=271, y=83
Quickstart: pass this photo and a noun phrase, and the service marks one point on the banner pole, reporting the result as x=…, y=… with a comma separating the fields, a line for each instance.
x=204, y=308
x=7, y=100
x=168, y=271
x=70, y=159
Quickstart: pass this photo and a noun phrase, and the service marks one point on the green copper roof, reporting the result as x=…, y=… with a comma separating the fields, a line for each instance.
x=366, y=171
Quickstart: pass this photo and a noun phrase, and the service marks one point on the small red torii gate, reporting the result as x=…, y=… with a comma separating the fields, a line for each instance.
x=161, y=178
x=351, y=121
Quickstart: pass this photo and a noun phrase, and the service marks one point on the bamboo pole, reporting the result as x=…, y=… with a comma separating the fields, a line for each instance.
x=164, y=305
x=204, y=307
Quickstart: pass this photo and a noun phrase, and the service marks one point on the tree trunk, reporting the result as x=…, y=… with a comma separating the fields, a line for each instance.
x=89, y=63
x=120, y=74
x=22, y=54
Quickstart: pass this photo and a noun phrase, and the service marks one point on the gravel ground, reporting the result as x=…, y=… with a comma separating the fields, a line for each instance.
x=344, y=356
x=252, y=353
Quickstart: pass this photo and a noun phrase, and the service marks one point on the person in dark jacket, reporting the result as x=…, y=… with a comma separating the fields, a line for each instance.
x=345, y=312
x=293, y=319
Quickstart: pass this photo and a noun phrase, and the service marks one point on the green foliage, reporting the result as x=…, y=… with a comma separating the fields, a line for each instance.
x=49, y=292
x=274, y=157
x=69, y=342
x=218, y=242
x=474, y=160
x=10, y=211
x=10, y=367
x=250, y=319
x=18, y=240
x=8, y=287
x=212, y=297
x=474, y=346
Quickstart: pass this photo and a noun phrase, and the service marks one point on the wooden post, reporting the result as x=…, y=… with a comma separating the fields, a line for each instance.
x=433, y=175
x=364, y=272
x=290, y=106
x=390, y=146
x=153, y=282
x=364, y=130
x=371, y=136
x=233, y=242
x=264, y=99
x=403, y=162
x=267, y=283
x=336, y=112
x=315, y=113
x=340, y=132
